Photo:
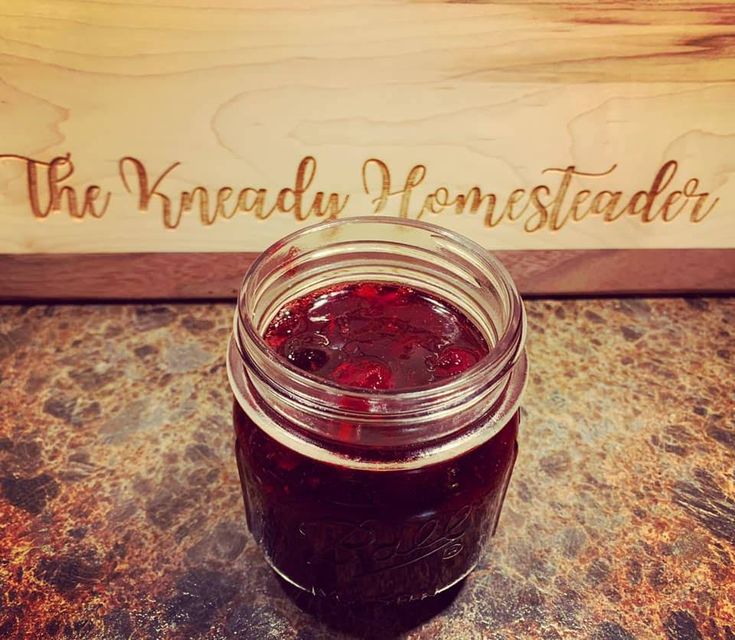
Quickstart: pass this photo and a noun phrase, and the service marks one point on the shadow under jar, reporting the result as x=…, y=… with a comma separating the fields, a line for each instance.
x=380, y=484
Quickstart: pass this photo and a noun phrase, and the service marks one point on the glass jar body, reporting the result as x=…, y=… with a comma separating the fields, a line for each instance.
x=372, y=535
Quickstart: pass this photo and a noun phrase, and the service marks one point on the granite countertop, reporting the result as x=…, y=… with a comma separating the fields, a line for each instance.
x=121, y=513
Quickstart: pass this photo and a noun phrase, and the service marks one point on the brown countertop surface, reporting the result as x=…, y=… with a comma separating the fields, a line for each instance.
x=121, y=514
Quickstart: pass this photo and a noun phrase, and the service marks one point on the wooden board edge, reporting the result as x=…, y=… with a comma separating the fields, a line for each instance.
x=192, y=276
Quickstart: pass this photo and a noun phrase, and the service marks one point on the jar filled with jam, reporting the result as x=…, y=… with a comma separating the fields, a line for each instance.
x=377, y=366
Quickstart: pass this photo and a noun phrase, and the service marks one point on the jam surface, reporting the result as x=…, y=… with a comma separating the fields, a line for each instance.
x=376, y=335
x=364, y=535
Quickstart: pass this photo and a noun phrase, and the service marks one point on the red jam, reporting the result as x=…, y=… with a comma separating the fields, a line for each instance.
x=376, y=336
x=363, y=534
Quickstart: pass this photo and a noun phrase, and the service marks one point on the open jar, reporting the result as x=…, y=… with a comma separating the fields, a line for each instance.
x=382, y=494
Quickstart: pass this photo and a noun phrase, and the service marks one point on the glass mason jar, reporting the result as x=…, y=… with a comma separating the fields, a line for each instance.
x=376, y=496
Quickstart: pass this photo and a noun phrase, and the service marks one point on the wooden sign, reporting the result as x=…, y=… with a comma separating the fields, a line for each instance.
x=152, y=149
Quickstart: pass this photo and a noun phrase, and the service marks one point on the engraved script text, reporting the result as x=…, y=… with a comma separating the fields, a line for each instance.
x=550, y=205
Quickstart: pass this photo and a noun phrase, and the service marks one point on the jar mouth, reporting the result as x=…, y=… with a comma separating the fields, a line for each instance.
x=503, y=350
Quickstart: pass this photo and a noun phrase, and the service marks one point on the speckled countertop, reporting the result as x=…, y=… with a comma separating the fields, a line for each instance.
x=121, y=514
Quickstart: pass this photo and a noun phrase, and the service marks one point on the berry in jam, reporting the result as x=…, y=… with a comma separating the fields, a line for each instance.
x=372, y=534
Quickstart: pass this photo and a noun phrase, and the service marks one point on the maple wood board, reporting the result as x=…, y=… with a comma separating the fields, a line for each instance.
x=152, y=140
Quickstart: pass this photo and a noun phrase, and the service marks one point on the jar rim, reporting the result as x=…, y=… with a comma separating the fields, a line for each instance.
x=492, y=365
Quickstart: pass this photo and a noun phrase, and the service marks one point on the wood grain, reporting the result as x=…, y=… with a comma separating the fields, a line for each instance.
x=498, y=96
x=218, y=275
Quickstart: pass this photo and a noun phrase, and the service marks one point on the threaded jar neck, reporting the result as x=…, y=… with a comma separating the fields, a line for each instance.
x=415, y=254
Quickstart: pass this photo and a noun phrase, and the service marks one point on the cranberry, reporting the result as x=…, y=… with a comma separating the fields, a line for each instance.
x=287, y=323
x=367, y=290
x=308, y=358
x=364, y=373
x=454, y=360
